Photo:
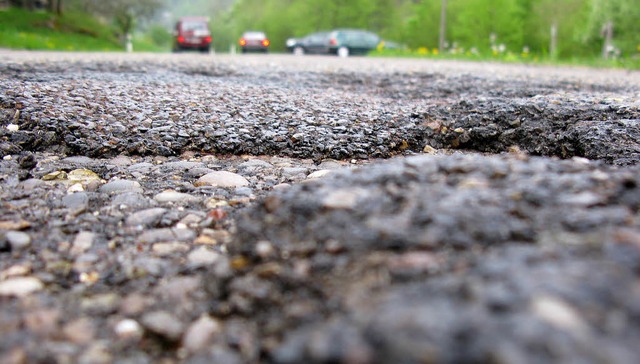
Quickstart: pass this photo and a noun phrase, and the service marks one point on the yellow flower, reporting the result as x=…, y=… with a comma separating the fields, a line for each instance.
x=423, y=51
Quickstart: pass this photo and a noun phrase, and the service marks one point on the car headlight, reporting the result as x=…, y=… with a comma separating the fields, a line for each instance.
x=291, y=42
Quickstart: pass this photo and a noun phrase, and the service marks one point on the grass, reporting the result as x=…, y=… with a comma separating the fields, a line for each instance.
x=21, y=29
x=632, y=62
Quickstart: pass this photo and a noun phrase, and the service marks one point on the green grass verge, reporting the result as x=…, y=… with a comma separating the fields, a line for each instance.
x=21, y=29
x=632, y=62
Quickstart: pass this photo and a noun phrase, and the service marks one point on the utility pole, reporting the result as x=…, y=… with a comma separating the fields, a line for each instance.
x=443, y=25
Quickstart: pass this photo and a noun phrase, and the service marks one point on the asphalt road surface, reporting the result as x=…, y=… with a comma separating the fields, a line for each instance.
x=282, y=209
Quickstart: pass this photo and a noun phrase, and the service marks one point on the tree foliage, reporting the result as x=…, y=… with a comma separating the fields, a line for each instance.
x=125, y=13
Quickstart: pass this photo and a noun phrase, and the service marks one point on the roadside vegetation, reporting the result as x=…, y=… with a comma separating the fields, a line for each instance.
x=602, y=33
x=24, y=29
x=75, y=29
x=593, y=32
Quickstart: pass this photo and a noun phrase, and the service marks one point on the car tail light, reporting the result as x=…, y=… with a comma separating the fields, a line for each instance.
x=207, y=39
x=266, y=42
x=333, y=41
x=242, y=42
x=180, y=39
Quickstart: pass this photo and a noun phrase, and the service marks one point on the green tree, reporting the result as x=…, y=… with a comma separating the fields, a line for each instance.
x=55, y=6
x=125, y=13
x=567, y=17
x=486, y=23
x=624, y=15
x=422, y=27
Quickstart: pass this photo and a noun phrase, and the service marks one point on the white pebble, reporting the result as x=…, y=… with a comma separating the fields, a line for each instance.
x=20, y=286
x=128, y=328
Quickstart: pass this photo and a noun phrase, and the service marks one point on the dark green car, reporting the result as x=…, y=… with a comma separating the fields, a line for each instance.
x=342, y=42
x=345, y=42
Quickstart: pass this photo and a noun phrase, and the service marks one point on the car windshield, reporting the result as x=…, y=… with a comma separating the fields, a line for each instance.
x=254, y=35
x=194, y=25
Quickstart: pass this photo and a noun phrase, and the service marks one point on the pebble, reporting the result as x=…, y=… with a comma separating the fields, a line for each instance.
x=83, y=176
x=77, y=202
x=179, y=289
x=166, y=234
x=80, y=331
x=202, y=257
x=244, y=191
x=169, y=248
x=147, y=217
x=134, y=304
x=32, y=184
x=18, y=240
x=14, y=225
x=205, y=240
x=120, y=186
x=96, y=353
x=55, y=176
x=343, y=199
x=191, y=219
x=83, y=242
x=180, y=166
x=15, y=270
x=128, y=329
x=294, y=172
x=264, y=249
x=150, y=265
x=320, y=173
x=163, y=323
x=20, y=286
x=201, y=334
x=559, y=314
x=176, y=197
x=100, y=304
x=132, y=200
x=222, y=179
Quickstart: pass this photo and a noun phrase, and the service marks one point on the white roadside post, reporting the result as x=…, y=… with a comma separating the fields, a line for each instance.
x=129, y=43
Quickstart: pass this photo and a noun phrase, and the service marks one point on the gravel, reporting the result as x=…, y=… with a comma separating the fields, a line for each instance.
x=281, y=209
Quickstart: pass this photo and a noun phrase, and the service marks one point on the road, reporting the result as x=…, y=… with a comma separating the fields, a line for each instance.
x=282, y=209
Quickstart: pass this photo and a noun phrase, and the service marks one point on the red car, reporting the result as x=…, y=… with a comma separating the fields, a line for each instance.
x=254, y=42
x=192, y=33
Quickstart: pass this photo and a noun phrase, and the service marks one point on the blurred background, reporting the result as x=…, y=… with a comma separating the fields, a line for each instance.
x=572, y=31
